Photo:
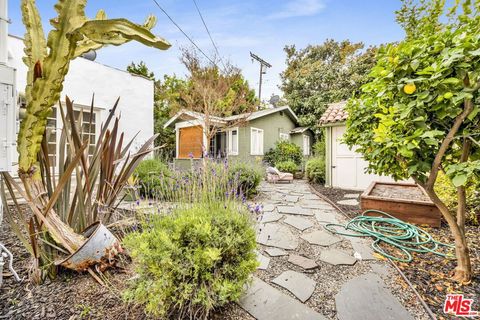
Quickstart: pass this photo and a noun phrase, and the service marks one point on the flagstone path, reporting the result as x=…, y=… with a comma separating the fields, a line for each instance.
x=308, y=273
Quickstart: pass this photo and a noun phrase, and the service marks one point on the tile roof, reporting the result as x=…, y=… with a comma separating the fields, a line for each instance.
x=335, y=113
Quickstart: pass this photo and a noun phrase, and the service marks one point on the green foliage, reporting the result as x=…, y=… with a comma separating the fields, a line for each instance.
x=417, y=91
x=141, y=69
x=284, y=150
x=319, y=148
x=321, y=74
x=151, y=174
x=194, y=260
x=287, y=166
x=315, y=170
x=447, y=192
x=246, y=176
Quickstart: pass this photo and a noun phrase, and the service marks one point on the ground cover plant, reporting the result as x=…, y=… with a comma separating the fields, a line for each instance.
x=419, y=113
x=192, y=260
x=287, y=166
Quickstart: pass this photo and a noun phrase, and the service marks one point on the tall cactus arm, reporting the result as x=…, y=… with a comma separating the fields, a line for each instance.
x=97, y=33
x=34, y=40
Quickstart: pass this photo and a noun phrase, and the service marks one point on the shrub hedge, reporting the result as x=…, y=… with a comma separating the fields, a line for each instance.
x=284, y=151
x=315, y=170
x=286, y=166
x=194, y=260
x=150, y=175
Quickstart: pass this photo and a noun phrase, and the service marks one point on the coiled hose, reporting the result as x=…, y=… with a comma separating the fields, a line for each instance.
x=394, y=232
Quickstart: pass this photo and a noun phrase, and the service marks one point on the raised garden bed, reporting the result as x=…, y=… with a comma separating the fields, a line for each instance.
x=404, y=201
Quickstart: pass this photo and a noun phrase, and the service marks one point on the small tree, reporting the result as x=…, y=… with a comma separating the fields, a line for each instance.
x=419, y=114
x=215, y=92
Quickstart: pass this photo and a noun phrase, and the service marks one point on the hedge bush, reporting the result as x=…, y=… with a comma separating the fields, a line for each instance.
x=194, y=260
x=150, y=175
x=246, y=176
x=287, y=166
x=284, y=150
x=315, y=170
x=448, y=194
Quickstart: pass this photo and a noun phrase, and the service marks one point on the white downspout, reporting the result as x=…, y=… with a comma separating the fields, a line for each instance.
x=3, y=32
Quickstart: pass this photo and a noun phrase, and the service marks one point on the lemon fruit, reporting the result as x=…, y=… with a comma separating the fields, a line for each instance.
x=409, y=88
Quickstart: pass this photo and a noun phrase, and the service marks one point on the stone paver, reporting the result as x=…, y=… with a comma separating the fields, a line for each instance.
x=302, y=262
x=362, y=250
x=270, y=217
x=294, y=210
x=263, y=261
x=297, y=283
x=326, y=217
x=264, y=302
x=352, y=195
x=365, y=297
x=321, y=238
x=316, y=206
x=276, y=252
x=298, y=222
x=290, y=198
x=277, y=235
x=348, y=202
x=311, y=196
x=337, y=257
x=268, y=207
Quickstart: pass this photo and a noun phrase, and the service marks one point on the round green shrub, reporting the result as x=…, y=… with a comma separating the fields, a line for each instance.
x=151, y=174
x=287, y=166
x=315, y=170
x=246, y=177
x=194, y=260
x=284, y=151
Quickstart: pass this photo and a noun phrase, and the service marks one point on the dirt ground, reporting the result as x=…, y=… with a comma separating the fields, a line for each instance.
x=72, y=295
x=430, y=274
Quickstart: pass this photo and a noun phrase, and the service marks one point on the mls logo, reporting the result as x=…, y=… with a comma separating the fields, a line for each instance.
x=457, y=305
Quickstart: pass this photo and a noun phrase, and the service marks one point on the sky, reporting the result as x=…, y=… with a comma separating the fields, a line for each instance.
x=238, y=27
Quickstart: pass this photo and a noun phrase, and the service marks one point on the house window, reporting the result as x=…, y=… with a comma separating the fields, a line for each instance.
x=86, y=130
x=233, y=142
x=284, y=136
x=256, y=142
x=306, y=145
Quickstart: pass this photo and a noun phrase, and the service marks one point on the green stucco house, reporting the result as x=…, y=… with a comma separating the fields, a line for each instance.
x=245, y=136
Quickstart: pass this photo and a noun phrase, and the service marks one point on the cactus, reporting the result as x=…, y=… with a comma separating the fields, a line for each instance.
x=48, y=61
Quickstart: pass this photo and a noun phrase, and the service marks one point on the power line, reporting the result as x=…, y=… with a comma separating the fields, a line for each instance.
x=209, y=34
x=184, y=33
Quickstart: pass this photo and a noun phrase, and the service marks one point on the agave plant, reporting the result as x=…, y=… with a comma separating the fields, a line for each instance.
x=48, y=61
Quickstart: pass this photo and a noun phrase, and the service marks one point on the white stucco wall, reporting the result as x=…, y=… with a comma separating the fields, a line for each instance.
x=86, y=78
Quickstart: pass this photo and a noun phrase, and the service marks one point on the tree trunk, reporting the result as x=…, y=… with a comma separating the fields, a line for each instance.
x=37, y=198
x=463, y=271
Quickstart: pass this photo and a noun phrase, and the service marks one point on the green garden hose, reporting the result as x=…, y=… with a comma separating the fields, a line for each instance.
x=392, y=231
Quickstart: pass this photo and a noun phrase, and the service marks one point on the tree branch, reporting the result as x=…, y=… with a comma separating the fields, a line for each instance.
x=446, y=143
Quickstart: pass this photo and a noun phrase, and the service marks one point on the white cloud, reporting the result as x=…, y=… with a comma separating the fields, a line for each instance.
x=298, y=8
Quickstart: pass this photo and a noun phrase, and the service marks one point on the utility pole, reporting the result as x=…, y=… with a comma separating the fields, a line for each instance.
x=263, y=64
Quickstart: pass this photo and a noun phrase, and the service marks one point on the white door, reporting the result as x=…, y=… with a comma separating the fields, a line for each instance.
x=348, y=167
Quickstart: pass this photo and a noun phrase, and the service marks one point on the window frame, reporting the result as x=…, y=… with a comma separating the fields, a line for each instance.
x=259, y=133
x=230, y=150
x=306, y=151
x=284, y=136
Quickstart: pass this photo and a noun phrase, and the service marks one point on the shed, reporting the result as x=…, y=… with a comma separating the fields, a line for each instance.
x=345, y=168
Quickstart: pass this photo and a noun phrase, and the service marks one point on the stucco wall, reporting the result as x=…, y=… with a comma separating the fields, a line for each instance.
x=86, y=78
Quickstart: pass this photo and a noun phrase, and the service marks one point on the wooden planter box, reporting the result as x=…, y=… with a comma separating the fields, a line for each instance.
x=405, y=201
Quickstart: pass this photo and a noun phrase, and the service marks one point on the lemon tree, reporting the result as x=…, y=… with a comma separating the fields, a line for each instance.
x=419, y=113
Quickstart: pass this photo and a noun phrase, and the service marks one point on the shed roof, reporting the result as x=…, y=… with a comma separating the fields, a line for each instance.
x=335, y=113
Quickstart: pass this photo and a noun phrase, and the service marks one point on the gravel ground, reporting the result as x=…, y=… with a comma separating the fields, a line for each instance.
x=430, y=274
x=330, y=278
